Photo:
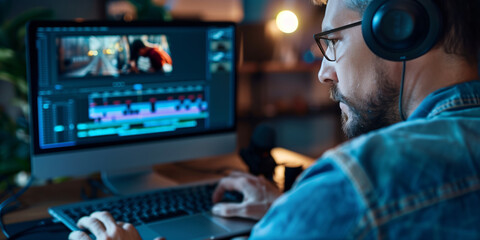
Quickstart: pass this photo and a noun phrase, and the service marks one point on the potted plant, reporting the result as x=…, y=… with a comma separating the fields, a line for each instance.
x=14, y=147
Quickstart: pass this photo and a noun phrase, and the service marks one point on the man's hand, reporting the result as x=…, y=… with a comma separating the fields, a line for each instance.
x=103, y=226
x=258, y=195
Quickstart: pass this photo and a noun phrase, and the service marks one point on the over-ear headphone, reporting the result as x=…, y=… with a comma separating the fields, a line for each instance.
x=401, y=30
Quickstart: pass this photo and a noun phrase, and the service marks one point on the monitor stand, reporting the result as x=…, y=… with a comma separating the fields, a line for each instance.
x=131, y=182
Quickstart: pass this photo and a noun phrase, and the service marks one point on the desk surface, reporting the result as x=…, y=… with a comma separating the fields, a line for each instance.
x=38, y=199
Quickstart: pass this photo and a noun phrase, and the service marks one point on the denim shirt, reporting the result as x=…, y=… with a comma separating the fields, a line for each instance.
x=418, y=179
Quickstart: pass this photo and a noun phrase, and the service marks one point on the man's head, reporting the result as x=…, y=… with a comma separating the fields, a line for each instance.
x=460, y=30
x=137, y=48
x=367, y=86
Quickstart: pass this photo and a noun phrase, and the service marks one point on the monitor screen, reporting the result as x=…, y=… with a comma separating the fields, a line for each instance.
x=103, y=89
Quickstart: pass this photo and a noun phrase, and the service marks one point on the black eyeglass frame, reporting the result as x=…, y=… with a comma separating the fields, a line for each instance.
x=321, y=36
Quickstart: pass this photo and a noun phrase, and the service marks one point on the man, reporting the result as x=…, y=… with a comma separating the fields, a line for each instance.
x=412, y=179
x=157, y=56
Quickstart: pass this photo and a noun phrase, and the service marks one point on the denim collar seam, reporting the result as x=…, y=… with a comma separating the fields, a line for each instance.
x=454, y=104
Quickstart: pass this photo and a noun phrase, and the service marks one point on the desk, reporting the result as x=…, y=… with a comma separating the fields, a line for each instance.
x=38, y=199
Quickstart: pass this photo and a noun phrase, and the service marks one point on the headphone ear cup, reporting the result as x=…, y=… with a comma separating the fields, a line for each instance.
x=401, y=30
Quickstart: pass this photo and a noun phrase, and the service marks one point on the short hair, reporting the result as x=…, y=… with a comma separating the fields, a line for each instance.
x=461, y=29
x=461, y=25
x=135, y=48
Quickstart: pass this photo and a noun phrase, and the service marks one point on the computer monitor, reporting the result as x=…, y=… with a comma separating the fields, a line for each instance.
x=119, y=97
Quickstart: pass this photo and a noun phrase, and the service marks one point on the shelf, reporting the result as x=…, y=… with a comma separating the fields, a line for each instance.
x=278, y=67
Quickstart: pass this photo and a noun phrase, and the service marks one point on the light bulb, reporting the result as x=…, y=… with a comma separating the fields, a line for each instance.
x=287, y=21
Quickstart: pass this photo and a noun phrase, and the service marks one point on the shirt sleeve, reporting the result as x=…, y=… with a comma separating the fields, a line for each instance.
x=323, y=205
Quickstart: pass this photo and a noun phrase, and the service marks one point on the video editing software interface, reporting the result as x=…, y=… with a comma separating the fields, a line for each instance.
x=103, y=85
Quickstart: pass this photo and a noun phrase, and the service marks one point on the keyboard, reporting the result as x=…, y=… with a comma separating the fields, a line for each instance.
x=146, y=207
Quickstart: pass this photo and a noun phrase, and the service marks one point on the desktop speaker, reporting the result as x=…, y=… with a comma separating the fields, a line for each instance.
x=401, y=30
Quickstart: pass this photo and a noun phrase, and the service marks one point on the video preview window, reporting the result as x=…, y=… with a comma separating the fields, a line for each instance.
x=99, y=55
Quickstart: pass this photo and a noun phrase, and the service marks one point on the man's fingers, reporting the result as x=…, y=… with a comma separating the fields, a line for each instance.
x=78, y=235
x=92, y=224
x=256, y=210
x=239, y=174
x=106, y=219
x=246, y=210
x=129, y=227
x=103, y=226
x=229, y=210
x=121, y=224
x=226, y=184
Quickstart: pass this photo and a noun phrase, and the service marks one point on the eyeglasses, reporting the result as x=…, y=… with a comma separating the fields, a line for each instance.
x=327, y=45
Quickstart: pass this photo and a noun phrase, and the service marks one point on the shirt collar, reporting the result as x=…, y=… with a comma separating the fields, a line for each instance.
x=453, y=97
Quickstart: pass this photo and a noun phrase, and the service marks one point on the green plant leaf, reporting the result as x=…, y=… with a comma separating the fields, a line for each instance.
x=6, y=54
x=7, y=77
x=23, y=105
x=20, y=84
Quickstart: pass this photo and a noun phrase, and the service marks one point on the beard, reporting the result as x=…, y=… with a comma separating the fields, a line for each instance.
x=378, y=110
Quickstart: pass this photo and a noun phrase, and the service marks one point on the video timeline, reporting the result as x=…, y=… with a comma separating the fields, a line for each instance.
x=125, y=114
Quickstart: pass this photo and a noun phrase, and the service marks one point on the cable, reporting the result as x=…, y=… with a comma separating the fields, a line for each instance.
x=10, y=200
x=8, y=191
x=400, y=104
x=31, y=229
x=43, y=223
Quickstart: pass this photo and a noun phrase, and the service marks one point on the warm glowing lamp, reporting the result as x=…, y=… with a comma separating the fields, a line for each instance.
x=287, y=21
